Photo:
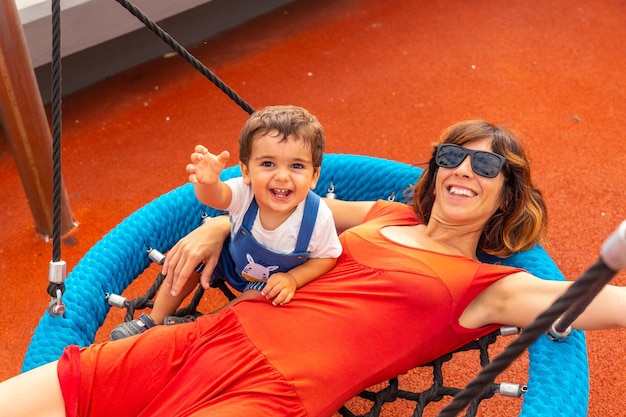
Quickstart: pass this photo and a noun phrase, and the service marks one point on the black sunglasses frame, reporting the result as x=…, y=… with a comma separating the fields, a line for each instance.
x=486, y=164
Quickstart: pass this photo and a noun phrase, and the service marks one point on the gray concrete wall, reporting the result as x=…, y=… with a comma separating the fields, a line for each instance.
x=88, y=66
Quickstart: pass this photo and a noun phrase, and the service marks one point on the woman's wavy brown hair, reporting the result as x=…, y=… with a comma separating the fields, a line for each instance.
x=521, y=220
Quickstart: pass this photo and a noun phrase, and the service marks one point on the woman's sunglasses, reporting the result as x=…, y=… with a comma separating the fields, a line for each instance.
x=485, y=164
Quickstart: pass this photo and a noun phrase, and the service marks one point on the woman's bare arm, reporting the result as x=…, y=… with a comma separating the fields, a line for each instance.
x=348, y=214
x=520, y=298
x=36, y=393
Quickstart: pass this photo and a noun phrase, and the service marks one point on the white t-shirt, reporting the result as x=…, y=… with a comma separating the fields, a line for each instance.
x=324, y=242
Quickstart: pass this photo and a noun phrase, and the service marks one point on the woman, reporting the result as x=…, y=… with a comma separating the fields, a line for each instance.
x=407, y=289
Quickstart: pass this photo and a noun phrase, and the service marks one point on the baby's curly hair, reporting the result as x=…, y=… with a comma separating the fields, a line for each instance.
x=285, y=120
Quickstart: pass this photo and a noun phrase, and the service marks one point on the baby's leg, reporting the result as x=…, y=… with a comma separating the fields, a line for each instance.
x=165, y=304
x=36, y=393
x=247, y=294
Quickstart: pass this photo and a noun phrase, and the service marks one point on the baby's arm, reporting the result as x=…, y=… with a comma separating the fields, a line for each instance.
x=204, y=172
x=282, y=286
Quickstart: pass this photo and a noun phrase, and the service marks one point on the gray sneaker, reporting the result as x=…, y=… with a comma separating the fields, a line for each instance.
x=132, y=328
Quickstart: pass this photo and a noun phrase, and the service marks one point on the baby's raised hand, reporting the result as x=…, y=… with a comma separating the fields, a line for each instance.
x=205, y=167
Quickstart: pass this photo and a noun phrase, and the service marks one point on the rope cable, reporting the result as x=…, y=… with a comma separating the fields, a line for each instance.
x=56, y=130
x=57, y=268
x=180, y=50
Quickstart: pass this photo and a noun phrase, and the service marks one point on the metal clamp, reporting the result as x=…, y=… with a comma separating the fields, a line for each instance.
x=56, y=307
x=331, y=192
x=509, y=389
x=156, y=256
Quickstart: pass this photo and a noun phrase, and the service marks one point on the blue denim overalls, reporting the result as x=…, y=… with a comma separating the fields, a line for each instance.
x=245, y=264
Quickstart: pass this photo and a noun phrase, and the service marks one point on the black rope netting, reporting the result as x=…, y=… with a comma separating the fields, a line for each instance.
x=438, y=390
x=147, y=301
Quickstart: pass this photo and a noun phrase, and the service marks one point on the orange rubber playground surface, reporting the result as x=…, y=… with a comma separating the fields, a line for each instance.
x=384, y=77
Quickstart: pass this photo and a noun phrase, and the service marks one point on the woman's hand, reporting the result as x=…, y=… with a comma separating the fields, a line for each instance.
x=202, y=245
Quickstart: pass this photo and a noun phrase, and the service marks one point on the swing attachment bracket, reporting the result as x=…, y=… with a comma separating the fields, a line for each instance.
x=56, y=276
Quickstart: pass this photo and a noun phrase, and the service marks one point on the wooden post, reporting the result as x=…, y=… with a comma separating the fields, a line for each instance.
x=26, y=124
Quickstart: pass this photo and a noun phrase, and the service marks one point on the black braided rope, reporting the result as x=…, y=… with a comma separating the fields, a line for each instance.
x=180, y=50
x=192, y=308
x=56, y=129
x=600, y=274
x=583, y=290
x=56, y=142
x=144, y=301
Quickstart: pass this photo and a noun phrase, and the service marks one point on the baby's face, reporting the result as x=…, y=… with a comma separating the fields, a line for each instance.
x=281, y=173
